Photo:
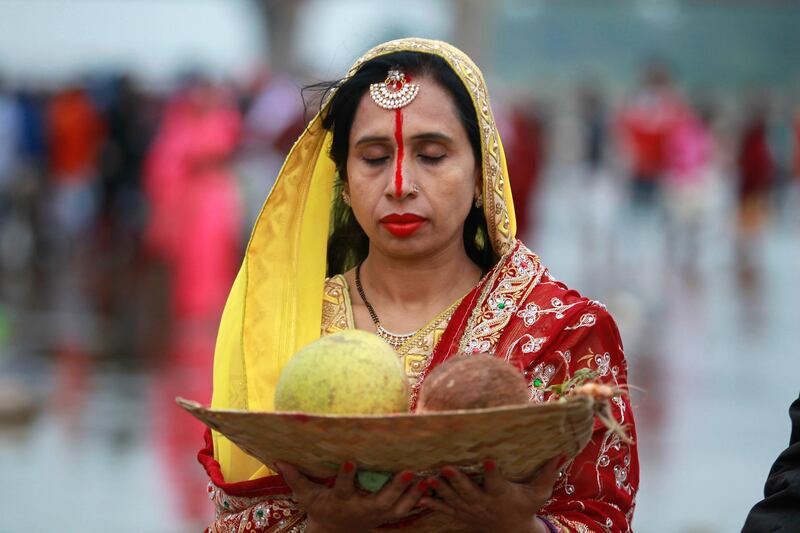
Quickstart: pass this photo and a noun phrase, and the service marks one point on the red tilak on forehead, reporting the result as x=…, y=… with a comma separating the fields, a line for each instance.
x=398, y=137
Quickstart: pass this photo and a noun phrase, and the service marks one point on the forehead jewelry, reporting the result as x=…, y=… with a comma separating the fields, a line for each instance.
x=395, y=91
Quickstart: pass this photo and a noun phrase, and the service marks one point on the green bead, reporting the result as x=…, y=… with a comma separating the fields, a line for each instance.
x=260, y=513
x=225, y=504
x=537, y=382
x=501, y=305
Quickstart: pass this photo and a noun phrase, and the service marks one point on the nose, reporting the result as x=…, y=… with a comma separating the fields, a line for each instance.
x=400, y=183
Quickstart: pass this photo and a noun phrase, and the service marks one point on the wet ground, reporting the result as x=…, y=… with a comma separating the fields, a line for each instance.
x=710, y=348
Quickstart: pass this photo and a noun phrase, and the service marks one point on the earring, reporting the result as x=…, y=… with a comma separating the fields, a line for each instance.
x=479, y=201
x=345, y=197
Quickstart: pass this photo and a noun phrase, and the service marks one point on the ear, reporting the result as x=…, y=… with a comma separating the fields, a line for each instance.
x=478, y=182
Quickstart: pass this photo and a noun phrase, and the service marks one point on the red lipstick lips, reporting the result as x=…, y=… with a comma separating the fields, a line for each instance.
x=402, y=225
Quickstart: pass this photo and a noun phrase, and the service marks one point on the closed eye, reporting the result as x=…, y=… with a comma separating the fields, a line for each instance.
x=375, y=161
x=432, y=160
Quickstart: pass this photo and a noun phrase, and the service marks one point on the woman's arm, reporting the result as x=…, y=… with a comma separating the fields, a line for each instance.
x=596, y=490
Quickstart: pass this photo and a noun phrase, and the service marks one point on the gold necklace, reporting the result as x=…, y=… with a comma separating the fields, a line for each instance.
x=393, y=339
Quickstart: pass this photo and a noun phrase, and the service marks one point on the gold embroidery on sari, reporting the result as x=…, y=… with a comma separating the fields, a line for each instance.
x=337, y=315
x=335, y=306
x=417, y=350
x=501, y=299
x=270, y=514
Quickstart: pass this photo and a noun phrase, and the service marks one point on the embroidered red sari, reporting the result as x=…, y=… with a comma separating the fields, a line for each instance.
x=522, y=314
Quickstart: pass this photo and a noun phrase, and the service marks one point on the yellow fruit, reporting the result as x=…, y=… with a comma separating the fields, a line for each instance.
x=351, y=372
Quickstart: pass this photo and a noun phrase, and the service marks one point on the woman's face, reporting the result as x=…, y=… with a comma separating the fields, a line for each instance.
x=411, y=173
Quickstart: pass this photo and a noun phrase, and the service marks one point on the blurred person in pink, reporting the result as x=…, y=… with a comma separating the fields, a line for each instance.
x=689, y=177
x=194, y=226
x=194, y=203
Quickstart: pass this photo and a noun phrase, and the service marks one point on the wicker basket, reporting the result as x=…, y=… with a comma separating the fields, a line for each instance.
x=519, y=438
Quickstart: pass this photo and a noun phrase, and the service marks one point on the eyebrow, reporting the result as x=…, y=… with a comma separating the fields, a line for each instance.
x=426, y=136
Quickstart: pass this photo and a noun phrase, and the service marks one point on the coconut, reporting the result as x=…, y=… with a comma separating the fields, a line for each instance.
x=351, y=372
x=472, y=381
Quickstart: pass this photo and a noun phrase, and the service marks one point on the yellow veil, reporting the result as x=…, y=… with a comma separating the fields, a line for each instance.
x=275, y=305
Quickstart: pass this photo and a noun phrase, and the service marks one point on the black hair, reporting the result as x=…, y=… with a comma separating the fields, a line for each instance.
x=348, y=245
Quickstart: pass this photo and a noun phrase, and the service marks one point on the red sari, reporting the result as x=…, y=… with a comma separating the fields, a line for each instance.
x=522, y=314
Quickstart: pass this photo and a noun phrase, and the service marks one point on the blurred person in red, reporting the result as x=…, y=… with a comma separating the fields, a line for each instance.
x=75, y=133
x=645, y=124
x=194, y=225
x=796, y=146
x=525, y=158
x=755, y=166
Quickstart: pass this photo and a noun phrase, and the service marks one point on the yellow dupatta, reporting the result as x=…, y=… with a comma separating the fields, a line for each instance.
x=275, y=305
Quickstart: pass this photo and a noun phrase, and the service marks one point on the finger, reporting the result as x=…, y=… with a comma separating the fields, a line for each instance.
x=389, y=494
x=446, y=492
x=547, y=475
x=462, y=485
x=437, y=505
x=410, y=498
x=493, y=482
x=344, y=486
x=303, y=489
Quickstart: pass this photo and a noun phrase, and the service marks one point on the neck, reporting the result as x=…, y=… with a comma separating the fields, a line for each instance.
x=418, y=282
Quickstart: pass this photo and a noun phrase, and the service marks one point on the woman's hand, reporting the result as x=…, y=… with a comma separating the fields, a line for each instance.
x=343, y=508
x=500, y=505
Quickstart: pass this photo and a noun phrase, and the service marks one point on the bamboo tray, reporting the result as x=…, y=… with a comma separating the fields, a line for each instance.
x=519, y=438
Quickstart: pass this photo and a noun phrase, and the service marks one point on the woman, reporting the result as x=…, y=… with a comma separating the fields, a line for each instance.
x=420, y=249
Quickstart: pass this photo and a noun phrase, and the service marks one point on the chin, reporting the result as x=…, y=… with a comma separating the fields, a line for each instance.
x=406, y=247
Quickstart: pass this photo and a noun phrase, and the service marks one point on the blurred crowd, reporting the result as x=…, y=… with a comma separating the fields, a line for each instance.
x=124, y=211
x=135, y=204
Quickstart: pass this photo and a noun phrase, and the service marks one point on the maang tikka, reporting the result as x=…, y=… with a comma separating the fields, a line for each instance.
x=395, y=91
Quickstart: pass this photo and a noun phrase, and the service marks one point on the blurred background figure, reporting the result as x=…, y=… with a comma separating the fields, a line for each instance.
x=601, y=188
x=75, y=134
x=691, y=173
x=10, y=143
x=647, y=121
x=194, y=228
x=755, y=172
x=646, y=169
x=274, y=119
x=521, y=128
